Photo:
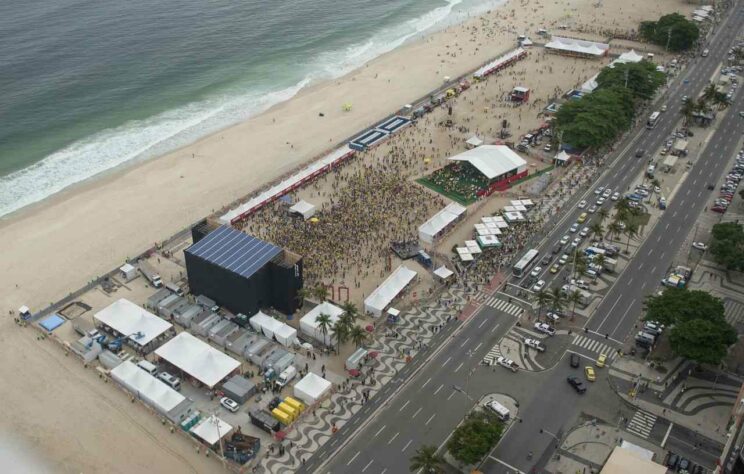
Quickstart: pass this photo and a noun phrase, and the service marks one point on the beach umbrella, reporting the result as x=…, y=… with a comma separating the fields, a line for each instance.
x=314, y=220
x=369, y=328
x=373, y=354
x=354, y=373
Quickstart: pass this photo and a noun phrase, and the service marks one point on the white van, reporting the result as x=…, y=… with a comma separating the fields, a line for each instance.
x=705, y=53
x=286, y=376
x=174, y=289
x=148, y=367
x=500, y=410
x=173, y=381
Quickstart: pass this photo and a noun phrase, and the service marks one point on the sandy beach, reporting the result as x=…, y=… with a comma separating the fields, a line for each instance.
x=62, y=413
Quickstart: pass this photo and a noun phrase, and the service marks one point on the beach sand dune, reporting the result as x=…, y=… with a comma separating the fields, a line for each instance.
x=66, y=414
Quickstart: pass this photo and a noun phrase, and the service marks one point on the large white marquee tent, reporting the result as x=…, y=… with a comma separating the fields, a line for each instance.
x=198, y=359
x=390, y=288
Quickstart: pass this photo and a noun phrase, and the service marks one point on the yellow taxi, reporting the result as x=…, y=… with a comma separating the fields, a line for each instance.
x=582, y=218
x=590, y=375
x=555, y=268
x=601, y=360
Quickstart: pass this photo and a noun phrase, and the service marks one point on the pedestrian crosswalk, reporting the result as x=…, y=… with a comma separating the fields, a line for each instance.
x=513, y=344
x=595, y=346
x=734, y=311
x=641, y=424
x=501, y=305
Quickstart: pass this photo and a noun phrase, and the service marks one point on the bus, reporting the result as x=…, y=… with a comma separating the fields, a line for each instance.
x=653, y=120
x=525, y=262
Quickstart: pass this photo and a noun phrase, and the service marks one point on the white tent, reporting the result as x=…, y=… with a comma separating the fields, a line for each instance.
x=514, y=216
x=439, y=222
x=128, y=319
x=571, y=45
x=309, y=322
x=443, y=272
x=128, y=271
x=493, y=160
x=284, y=334
x=303, y=208
x=488, y=241
x=312, y=388
x=474, y=141
x=390, y=288
x=197, y=358
x=562, y=158
x=211, y=429
x=147, y=388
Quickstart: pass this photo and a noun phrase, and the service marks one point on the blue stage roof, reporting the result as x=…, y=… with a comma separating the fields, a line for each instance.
x=234, y=251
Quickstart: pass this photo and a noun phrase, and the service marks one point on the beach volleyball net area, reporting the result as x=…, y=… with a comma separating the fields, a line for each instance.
x=461, y=182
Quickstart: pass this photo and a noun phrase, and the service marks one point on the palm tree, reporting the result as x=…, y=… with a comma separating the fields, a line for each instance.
x=631, y=230
x=709, y=92
x=613, y=229
x=542, y=298
x=426, y=460
x=358, y=336
x=351, y=310
x=596, y=229
x=557, y=300
x=573, y=299
x=599, y=259
x=603, y=214
x=720, y=100
x=301, y=295
x=341, y=332
x=324, y=324
x=622, y=207
x=320, y=292
x=688, y=111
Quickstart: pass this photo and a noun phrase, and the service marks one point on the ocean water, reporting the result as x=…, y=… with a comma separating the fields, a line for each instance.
x=86, y=86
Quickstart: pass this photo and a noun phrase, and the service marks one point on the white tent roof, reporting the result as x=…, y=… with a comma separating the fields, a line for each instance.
x=498, y=62
x=310, y=320
x=492, y=160
x=272, y=328
x=488, y=240
x=127, y=267
x=304, y=208
x=474, y=141
x=211, y=429
x=577, y=46
x=562, y=156
x=311, y=388
x=443, y=272
x=198, y=359
x=670, y=161
x=390, y=288
x=145, y=386
x=440, y=221
x=127, y=318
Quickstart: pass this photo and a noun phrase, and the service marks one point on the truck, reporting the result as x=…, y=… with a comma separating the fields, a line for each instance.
x=265, y=421
x=286, y=376
x=610, y=264
x=507, y=363
x=535, y=344
x=152, y=276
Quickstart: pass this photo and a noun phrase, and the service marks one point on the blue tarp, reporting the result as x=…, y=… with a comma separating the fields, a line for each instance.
x=52, y=322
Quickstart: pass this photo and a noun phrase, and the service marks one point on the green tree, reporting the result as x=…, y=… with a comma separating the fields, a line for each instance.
x=475, y=438
x=603, y=214
x=673, y=31
x=600, y=260
x=321, y=292
x=358, y=336
x=301, y=295
x=573, y=299
x=557, y=299
x=676, y=305
x=324, y=324
x=688, y=111
x=614, y=229
x=727, y=245
x=341, y=332
x=542, y=298
x=642, y=78
x=631, y=230
x=427, y=460
x=596, y=230
x=703, y=341
x=350, y=309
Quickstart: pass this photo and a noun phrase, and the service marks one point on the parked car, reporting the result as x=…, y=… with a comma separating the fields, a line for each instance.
x=534, y=343
x=573, y=360
x=615, y=196
x=545, y=329
x=577, y=384
x=590, y=375
x=699, y=245
x=229, y=404
x=507, y=363
x=672, y=461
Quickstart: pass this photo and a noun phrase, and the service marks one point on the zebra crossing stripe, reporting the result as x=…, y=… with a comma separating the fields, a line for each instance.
x=641, y=424
x=501, y=305
x=734, y=311
x=595, y=346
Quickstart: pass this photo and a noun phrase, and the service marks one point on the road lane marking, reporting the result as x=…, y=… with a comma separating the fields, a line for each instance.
x=622, y=318
x=666, y=436
x=451, y=395
x=630, y=280
x=609, y=312
x=495, y=327
x=430, y=418
x=641, y=265
x=507, y=465
x=370, y=462
x=459, y=366
x=464, y=342
x=352, y=459
x=653, y=270
x=427, y=381
x=445, y=362
x=393, y=438
x=404, y=405
x=379, y=431
x=481, y=324
x=440, y=388
x=417, y=412
x=384, y=471
x=476, y=347
x=406, y=446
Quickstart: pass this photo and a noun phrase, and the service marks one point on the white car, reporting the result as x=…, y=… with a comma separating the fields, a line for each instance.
x=564, y=258
x=229, y=404
x=553, y=317
x=574, y=227
x=580, y=284
x=545, y=329
x=699, y=246
x=657, y=190
x=534, y=343
x=576, y=242
x=582, y=204
x=615, y=196
x=584, y=232
x=607, y=192
x=599, y=190
x=564, y=240
x=536, y=271
x=600, y=201
x=508, y=363
x=547, y=147
x=592, y=209
x=539, y=285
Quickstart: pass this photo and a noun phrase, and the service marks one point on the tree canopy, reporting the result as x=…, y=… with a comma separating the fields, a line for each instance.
x=473, y=439
x=699, y=331
x=727, y=246
x=596, y=119
x=676, y=305
x=673, y=30
x=642, y=78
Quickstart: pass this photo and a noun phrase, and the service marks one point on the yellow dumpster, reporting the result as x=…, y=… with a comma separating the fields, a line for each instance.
x=281, y=416
x=294, y=403
x=288, y=410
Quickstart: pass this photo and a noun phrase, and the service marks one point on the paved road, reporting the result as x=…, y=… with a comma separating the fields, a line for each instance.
x=427, y=409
